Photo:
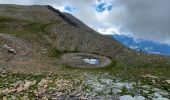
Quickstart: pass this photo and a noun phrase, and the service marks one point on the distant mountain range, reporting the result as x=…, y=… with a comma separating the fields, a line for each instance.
x=146, y=46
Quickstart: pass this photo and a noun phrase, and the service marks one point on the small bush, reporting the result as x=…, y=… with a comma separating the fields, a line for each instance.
x=6, y=19
x=56, y=53
x=112, y=64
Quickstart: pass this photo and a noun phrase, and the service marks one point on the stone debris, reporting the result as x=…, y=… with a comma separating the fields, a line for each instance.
x=62, y=96
x=92, y=88
x=4, y=98
x=64, y=85
x=167, y=81
x=22, y=86
x=9, y=49
x=159, y=96
x=18, y=87
x=7, y=91
x=25, y=97
x=105, y=86
x=44, y=83
x=42, y=87
x=128, y=97
x=151, y=76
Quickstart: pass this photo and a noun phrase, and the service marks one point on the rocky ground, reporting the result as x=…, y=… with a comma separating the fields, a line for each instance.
x=20, y=55
x=83, y=86
x=28, y=72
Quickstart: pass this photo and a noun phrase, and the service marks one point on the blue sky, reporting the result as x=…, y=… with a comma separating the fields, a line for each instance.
x=69, y=9
x=140, y=24
x=103, y=6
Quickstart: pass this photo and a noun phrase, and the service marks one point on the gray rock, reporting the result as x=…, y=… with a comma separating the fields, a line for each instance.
x=9, y=49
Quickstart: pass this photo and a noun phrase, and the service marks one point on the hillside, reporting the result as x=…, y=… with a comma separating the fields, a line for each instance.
x=41, y=48
x=46, y=25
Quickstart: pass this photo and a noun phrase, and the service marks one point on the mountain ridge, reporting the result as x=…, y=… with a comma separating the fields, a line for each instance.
x=63, y=31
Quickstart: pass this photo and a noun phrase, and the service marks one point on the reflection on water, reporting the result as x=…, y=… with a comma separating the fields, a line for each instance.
x=91, y=61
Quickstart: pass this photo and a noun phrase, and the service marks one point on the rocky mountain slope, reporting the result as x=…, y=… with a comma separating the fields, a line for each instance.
x=53, y=29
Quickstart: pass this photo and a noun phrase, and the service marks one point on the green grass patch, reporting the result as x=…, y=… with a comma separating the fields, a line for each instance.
x=6, y=19
x=1, y=40
x=37, y=26
x=56, y=53
x=12, y=78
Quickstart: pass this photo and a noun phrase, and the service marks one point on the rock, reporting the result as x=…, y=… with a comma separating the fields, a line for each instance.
x=26, y=85
x=139, y=98
x=64, y=97
x=59, y=94
x=9, y=49
x=42, y=87
x=167, y=81
x=7, y=91
x=44, y=83
x=150, y=76
x=64, y=85
x=126, y=97
x=3, y=71
x=25, y=97
x=16, y=85
x=40, y=91
x=13, y=97
x=160, y=98
x=4, y=98
x=45, y=98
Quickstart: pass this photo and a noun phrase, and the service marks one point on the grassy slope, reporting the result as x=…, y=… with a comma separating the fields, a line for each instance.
x=32, y=30
x=25, y=29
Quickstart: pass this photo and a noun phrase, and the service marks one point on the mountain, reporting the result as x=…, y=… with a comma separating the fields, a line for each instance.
x=48, y=27
x=143, y=45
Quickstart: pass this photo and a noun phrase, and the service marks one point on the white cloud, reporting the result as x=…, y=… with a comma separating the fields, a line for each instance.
x=108, y=31
x=151, y=50
x=134, y=47
x=22, y=2
x=156, y=53
x=148, y=49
